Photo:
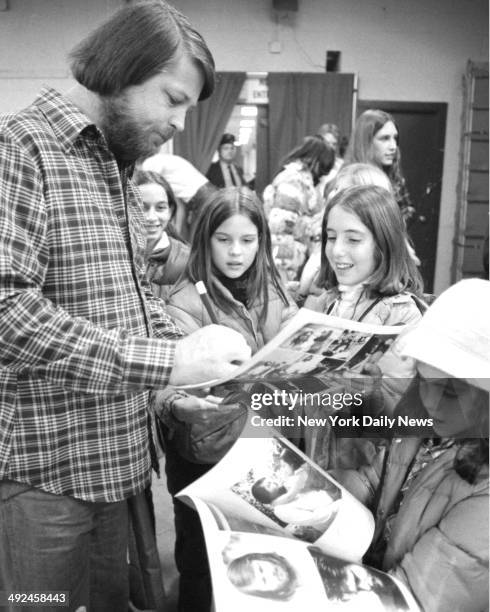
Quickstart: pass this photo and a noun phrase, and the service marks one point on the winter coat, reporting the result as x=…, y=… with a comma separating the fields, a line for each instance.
x=290, y=202
x=187, y=310
x=209, y=443
x=166, y=265
x=401, y=309
x=438, y=544
x=397, y=309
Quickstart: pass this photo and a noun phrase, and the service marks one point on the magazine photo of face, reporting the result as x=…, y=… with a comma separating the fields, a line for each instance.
x=265, y=574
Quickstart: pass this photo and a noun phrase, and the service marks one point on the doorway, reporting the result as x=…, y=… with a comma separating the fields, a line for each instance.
x=422, y=129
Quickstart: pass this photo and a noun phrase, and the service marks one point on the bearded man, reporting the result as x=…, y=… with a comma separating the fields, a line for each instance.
x=82, y=340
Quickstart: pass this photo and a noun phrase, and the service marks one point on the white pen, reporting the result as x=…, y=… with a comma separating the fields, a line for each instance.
x=203, y=294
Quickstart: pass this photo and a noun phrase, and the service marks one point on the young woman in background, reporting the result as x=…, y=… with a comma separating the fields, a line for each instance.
x=375, y=141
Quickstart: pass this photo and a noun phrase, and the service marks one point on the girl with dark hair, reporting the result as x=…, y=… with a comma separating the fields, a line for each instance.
x=375, y=140
x=430, y=495
x=166, y=252
x=231, y=254
x=292, y=200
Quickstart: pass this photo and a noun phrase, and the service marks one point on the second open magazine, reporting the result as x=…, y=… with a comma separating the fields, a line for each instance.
x=304, y=548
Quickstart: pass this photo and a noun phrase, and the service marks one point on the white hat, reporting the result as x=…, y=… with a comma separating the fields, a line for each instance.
x=454, y=334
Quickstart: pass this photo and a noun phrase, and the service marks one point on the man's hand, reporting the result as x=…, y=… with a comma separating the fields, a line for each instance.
x=209, y=353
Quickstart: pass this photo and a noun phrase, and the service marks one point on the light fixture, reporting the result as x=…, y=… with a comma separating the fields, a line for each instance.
x=248, y=111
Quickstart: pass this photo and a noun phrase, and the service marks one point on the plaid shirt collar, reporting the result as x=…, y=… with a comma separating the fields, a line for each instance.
x=67, y=121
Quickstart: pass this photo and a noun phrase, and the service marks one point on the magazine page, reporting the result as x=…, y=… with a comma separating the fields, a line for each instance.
x=272, y=573
x=314, y=345
x=268, y=482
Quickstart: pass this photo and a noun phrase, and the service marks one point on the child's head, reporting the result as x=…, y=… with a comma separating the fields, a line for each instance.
x=159, y=203
x=364, y=241
x=232, y=240
x=266, y=575
x=354, y=174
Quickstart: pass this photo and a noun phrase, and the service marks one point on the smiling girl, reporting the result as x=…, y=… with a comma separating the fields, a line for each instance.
x=368, y=275
x=366, y=268
x=166, y=252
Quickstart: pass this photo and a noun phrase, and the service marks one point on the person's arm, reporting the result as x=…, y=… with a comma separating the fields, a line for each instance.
x=447, y=569
x=363, y=482
x=36, y=336
x=163, y=326
x=42, y=340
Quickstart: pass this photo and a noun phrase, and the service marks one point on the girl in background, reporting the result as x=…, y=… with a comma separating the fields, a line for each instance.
x=231, y=254
x=375, y=141
x=369, y=276
x=166, y=252
x=292, y=199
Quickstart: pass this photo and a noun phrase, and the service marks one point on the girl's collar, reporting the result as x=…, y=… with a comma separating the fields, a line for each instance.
x=163, y=242
x=238, y=287
x=351, y=292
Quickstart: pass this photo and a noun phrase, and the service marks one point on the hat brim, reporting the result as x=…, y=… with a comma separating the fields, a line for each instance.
x=437, y=351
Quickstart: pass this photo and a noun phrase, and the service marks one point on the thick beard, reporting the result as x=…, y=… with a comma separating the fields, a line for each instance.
x=124, y=132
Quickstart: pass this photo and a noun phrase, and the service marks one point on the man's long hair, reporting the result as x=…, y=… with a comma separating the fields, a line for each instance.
x=135, y=44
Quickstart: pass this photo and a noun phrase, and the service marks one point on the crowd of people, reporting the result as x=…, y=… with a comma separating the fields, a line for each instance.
x=101, y=325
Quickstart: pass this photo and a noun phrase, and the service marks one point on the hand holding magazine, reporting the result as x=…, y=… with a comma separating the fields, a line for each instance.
x=281, y=533
x=314, y=368
x=314, y=345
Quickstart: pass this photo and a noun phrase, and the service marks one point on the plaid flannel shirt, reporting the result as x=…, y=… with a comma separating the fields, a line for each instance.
x=81, y=338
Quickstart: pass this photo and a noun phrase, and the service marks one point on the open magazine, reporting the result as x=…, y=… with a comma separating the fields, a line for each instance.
x=314, y=346
x=281, y=533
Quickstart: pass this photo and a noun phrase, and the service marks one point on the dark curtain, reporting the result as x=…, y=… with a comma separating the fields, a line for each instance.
x=205, y=123
x=299, y=103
